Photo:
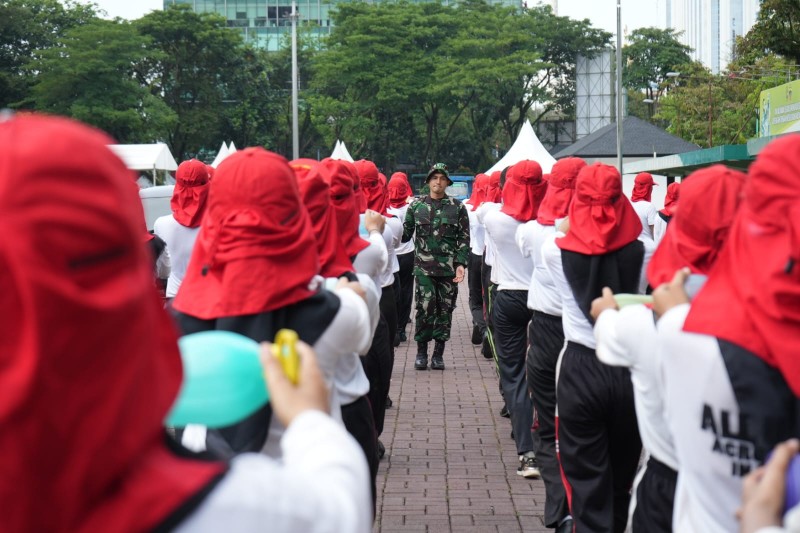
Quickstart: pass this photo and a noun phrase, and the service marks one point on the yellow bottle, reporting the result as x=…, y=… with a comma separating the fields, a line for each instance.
x=285, y=349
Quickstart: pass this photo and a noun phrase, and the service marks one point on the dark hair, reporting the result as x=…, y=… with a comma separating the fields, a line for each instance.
x=503, y=177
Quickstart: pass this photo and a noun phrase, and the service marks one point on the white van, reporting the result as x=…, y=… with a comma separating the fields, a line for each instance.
x=156, y=203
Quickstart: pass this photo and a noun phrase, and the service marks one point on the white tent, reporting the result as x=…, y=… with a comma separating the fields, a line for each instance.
x=340, y=152
x=146, y=157
x=231, y=148
x=222, y=154
x=527, y=146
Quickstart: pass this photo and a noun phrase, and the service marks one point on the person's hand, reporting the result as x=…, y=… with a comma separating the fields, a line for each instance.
x=374, y=221
x=459, y=274
x=668, y=295
x=564, y=226
x=290, y=400
x=763, y=490
x=606, y=301
x=354, y=286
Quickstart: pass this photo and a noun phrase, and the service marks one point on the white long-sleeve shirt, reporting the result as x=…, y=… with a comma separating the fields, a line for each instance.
x=402, y=247
x=320, y=486
x=180, y=244
x=477, y=233
x=513, y=271
x=647, y=215
x=373, y=259
x=489, y=258
x=576, y=326
x=543, y=296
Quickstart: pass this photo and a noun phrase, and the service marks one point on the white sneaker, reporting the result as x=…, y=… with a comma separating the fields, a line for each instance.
x=528, y=468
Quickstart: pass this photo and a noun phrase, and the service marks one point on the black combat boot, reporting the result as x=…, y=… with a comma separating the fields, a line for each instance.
x=437, y=361
x=421, y=363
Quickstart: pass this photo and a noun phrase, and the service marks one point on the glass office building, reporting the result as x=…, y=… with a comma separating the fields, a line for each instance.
x=266, y=22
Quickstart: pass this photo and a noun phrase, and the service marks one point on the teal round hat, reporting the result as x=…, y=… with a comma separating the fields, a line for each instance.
x=223, y=380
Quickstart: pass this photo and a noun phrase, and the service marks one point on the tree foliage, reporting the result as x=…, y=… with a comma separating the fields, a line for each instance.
x=777, y=30
x=647, y=58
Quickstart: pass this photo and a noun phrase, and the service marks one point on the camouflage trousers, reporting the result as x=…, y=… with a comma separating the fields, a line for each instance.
x=435, y=300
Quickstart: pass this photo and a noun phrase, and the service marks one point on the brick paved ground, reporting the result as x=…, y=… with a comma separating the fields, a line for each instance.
x=450, y=462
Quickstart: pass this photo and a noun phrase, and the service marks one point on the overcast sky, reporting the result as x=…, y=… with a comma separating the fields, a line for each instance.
x=602, y=13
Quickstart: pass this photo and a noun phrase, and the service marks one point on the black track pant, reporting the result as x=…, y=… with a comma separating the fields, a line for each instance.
x=545, y=341
x=655, y=498
x=405, y=295
x=511, y=316
x=358, y=421
x=598, y=439
x=388, y=307
x=378, y=368
x=476, y=291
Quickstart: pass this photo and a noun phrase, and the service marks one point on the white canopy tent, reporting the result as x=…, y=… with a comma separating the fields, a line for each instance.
x=526, y=147
x=340, y=152
x=153, y=157
x=221, y=155
x=231, y=148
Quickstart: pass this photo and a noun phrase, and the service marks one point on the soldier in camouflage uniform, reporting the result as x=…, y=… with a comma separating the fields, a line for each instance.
x=440, y=227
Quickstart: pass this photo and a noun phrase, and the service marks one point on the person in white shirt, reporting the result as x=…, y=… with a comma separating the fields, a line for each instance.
x=476, y=246
x=91, y=443
x=488, y=282
x=546, y=334
x=399, y=192
x=522, y=193
x=628, y=337
x=598, y=441
x=740, y=337
x=179, y=230
x=640, y=199
x=666, y=214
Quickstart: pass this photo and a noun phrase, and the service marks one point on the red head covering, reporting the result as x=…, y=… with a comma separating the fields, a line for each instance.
x=694, y=237
x=523, y=191
x=315, y=193
x=671, y=201
x=559, y=193
x=479, y=189
x=642, y=187
x=371, y=187
x=361, y=198
x=211, y=171
x=493, y=191
x=342, y=174
x=601, y=219
x=190, y=193
x=399, y=190
x=89, y=365
x=752, y=296
x=256, y=225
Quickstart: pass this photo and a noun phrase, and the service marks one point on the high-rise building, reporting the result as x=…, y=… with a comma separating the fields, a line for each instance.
x=266, y=22
x=711, y=27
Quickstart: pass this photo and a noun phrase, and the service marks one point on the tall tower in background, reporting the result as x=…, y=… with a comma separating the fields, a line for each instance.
x=711, y=27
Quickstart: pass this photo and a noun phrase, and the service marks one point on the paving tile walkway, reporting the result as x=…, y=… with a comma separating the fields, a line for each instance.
x=450, y=463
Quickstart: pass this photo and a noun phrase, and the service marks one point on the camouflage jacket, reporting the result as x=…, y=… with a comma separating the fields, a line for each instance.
x=440, y=229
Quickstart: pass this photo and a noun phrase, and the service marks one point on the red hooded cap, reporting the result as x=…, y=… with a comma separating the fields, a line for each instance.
x=256, y=225
x=342, y=174
x=559, y=193
x=494, y=193
x=90, y=362
x=369, y=178
x=752, y=296
x=643, y=187
x=399, y=190
x=479, y=189
x=671, y=201
x=211, y=171
x=190, y=193
x=315, y=193
x=711, y=197
x=523, y=191
x=601, y=219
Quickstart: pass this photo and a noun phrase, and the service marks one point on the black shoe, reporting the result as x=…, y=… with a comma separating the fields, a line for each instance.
x=421, y=362
x=504, y=412
x=486, y=349
x=565, y=526
x=381, y=450
x=477, y=337
x=397, y=340
x=437, y=361
x=389, y=402
x=402, y=335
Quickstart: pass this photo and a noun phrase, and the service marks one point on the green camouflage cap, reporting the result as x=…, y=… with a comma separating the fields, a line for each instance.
x=441, y=168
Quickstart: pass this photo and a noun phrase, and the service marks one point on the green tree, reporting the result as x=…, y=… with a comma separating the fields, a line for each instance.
x=777, y=30
x=27, y=27
x=194, y=59
x=647, y=58
x=89, y=76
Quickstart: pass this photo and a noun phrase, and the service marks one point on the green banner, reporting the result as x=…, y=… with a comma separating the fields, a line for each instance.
x=779, y=110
